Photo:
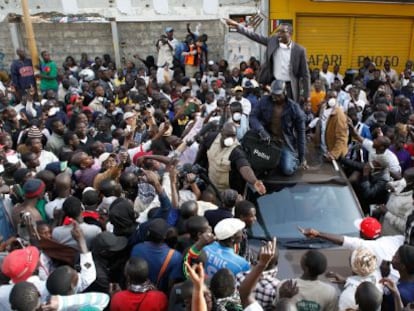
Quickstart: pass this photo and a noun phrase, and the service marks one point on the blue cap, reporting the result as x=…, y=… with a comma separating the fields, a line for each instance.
x=169, y=29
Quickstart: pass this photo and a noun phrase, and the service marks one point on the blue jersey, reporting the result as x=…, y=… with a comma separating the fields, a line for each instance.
x=219, y=257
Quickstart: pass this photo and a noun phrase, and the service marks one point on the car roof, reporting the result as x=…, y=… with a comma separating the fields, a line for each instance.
x=319, y=170
x=323, y=172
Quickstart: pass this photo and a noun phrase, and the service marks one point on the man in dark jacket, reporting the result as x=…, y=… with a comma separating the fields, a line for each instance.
x=22, y=72
x=281, y=119
x=285, y=60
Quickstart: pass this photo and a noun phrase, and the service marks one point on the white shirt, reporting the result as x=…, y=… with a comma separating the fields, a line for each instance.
x=165, y=54
x=343, y=97
x=245, y=103
x=328, y=76
x=359, y=105
x=220, y=95
x=392, y=74
x=96, y=105
x=393, y=163
x=384, y=248
x=45, y=158
x=255, y=306
x=163, y=75
x=339, y=77
x=347, y=298
x=281, y=62
x=210, y=106
x=55, y=204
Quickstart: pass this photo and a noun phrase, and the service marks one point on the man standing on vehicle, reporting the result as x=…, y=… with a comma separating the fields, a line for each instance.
x=285, y=60
x=279, y=118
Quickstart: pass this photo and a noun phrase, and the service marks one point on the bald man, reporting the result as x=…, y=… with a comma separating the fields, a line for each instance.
x=228, y=165
x=63, y=186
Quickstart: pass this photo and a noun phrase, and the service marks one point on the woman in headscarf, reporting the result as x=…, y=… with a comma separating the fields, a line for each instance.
x=364, y=267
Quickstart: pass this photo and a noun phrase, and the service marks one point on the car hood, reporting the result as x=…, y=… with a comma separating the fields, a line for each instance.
x=289, y=262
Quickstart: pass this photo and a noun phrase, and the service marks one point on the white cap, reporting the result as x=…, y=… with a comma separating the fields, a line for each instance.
x=104, y=156
x=52, y=111
x=185, y=89
x=228, y=227
x=348, y=87
x=129, y=114
x=211, y=62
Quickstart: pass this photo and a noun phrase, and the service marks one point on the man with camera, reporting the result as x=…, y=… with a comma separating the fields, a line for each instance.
x=166, y=47
x=280, y=119
x=98, y=103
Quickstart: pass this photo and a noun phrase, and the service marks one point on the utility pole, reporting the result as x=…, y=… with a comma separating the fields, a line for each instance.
x=30, y=35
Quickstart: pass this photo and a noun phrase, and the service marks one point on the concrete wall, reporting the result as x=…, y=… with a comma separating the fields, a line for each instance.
x=62, y=40
x=141, y=37
x=6, y=47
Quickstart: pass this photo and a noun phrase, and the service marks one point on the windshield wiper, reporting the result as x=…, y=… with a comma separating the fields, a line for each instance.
x=307, y=243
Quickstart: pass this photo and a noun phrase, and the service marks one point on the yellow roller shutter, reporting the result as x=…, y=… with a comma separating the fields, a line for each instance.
x=325, y=39
x=381, y=39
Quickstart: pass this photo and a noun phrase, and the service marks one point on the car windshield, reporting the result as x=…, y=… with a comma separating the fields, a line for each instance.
x=325, y=207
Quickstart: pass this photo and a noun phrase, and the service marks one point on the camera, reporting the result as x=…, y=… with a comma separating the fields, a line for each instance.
x=189, y=168
x=24, y=215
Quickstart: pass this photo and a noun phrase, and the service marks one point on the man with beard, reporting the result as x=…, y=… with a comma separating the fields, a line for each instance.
x=285, y=60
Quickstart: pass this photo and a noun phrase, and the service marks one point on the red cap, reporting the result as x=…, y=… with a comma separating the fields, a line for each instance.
x=140, y=154
x=20, y=264
x=248, y=71
x=369, y=226
x=73, y=98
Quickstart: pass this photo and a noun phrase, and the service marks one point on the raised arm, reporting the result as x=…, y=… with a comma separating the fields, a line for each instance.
x=267, y=252
x=312, y=233
x=246, y=32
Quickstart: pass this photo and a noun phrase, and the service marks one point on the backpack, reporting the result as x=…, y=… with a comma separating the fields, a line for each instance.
x=262, y=156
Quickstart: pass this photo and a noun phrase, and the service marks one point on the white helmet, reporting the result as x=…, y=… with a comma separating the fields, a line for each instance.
x=87, y=74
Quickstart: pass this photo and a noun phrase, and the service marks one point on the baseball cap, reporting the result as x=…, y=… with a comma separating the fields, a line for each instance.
x=211, y=62
x=20, y=264
x=52, y=111
x=228, y=227
x=33, y=188
x=277, y=87
x=185, y=89
x=140, y=154
x=105, y=156
x=248, y=84
x=129, y=114
x=238, y=89
x=169, y=29
x=248, y=71
x=109, y=241
x=369, y=226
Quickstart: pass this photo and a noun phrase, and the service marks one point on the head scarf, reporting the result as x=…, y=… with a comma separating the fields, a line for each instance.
x=363, y=262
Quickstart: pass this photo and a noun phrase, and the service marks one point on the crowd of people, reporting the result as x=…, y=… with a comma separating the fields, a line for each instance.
x=122, y=188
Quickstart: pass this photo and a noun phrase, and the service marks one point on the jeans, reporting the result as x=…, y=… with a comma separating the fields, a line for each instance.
x=288, y=162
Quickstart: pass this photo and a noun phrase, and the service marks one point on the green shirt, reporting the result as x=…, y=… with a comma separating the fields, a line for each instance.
x=48, y=69
x=192, y=107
